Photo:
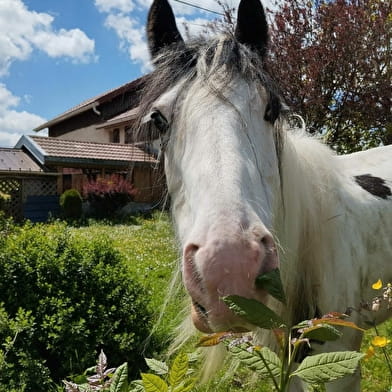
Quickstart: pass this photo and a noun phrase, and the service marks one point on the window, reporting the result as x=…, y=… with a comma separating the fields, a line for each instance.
x=128, y=135
x=116, y=136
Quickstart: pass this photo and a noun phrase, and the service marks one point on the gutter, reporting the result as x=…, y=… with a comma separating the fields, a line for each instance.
x=68, y=115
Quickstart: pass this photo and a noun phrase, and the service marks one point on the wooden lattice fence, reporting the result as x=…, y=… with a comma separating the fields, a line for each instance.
x=20, y=188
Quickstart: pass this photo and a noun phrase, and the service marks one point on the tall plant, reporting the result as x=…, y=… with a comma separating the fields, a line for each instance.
x=315, y=369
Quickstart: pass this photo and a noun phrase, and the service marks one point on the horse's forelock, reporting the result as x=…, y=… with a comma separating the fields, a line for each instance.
x=206, y=59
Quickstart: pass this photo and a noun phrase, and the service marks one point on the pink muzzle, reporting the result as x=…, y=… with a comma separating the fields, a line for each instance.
x=226, y=264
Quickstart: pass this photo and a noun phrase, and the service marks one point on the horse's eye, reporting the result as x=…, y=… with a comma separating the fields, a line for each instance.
x=159, y=121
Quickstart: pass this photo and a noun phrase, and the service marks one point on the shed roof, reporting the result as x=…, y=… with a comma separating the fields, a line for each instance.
x=54, y=151
x=16, y=160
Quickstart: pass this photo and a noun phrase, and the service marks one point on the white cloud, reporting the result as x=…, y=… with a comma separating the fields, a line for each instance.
x=132, y=38
x=14, y=123
x=22, y=31
x=131, y=31
x=67, y=43
x=124, y=6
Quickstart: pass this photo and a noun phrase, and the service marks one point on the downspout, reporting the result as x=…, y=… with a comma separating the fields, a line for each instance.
x=95, y=110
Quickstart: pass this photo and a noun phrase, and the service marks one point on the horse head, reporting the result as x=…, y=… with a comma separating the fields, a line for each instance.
x=216, y=117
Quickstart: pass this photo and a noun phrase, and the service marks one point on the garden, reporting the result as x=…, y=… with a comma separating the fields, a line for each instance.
x=73, y=293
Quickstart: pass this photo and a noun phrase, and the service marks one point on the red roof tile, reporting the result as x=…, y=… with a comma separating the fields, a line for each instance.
x=60, y=148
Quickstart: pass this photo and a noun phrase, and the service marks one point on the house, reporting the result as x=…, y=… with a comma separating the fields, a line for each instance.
x=106, y=118
x=93, y=139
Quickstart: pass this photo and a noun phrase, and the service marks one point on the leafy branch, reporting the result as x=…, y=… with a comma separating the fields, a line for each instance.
x=316, y=369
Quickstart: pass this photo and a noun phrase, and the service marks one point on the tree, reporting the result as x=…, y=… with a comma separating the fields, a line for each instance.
x=332, y=60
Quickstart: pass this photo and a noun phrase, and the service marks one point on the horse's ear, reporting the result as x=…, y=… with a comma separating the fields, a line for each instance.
x=252, y=27
x=161, y=27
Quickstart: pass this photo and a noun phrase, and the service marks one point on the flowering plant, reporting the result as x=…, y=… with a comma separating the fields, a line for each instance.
x=106, y=195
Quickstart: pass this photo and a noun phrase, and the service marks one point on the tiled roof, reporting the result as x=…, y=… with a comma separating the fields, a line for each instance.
x=16, y=160
x=68, y=149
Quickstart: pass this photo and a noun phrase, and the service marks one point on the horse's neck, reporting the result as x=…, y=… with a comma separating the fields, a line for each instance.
x=311, y=188
x=317, y=197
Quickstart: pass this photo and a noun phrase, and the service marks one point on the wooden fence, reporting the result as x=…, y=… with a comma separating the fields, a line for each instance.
x=22, y=189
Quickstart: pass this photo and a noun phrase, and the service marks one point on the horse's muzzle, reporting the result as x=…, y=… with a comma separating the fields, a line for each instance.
x=222, y=266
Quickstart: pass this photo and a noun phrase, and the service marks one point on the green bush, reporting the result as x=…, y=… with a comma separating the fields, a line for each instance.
x=82, y=299
x=4, y=200
x=71, y=204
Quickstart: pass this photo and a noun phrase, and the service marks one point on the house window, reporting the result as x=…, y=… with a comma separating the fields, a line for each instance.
x=116, y=136
x=129, y=135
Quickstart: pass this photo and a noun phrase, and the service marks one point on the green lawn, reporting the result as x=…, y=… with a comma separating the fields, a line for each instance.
x=150, y=249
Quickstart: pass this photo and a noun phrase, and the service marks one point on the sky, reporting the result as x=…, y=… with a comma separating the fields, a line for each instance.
x=55, y=54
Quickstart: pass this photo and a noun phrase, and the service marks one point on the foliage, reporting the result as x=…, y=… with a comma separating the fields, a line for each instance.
x=177, y=378
x=332, y=60
x=150, y=252
x=104, y=379
x=17, y=366
x=316, y=369
x=81, y=296
x=106, y=195
x=379, y=341
x=71, y=204
x=4, y=200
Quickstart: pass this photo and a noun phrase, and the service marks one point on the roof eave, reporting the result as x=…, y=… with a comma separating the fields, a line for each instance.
x=66, y=116
x=93, y=163
x=34, y=149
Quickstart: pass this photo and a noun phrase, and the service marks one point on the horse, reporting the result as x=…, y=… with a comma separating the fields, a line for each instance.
x=249, y=193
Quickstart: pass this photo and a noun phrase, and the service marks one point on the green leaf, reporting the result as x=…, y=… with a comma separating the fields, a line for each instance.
x=254, y=311
x=136, y=386
x=157, y=367
x=272, y=283
x=322, y=332
x=252, y=359
x=328, y=366
x=178, y=369
x=186, y=386
x=120, y=379
x=153, y=383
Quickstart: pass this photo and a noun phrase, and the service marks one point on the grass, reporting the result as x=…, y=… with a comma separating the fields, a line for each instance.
x=149, y=247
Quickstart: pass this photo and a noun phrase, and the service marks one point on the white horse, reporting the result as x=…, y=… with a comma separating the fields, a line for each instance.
x=248, y=194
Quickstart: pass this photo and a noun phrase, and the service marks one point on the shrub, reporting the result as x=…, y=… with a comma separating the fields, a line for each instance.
x=4, y=200
x=106, y=195
x=71, y=204
x=82, y=298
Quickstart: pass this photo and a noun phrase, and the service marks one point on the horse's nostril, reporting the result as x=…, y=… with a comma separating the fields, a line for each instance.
x=268, y=242
x=200, y=309
x=190, y=270
x=190, y=251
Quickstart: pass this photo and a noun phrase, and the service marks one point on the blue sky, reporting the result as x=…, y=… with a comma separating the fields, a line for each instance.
x=56, y=53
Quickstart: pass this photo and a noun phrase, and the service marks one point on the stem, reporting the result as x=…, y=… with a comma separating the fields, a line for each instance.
x=291, y=358
x=386, y=355
x=270, y=373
